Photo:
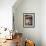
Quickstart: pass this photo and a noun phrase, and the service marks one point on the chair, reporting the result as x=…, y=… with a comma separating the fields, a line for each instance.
x=18, y=39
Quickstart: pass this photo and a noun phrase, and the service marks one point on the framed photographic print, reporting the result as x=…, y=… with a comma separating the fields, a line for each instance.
x=29, y=20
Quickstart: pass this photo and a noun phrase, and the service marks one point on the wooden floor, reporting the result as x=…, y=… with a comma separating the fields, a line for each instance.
x=9, y=43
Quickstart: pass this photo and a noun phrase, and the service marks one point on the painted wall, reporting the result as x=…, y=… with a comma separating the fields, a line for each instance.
x=6, y=13
x=43, y=22
x=28, y=6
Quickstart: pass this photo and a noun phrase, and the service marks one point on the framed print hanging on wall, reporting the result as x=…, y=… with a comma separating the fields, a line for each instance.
x=29, y=20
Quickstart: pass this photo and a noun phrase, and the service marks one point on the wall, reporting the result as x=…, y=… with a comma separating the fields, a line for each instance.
x=6, y=13
x=43, y=22
x=31, y=6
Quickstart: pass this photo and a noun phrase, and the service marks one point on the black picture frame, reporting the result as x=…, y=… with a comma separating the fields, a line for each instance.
x=28, y=20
